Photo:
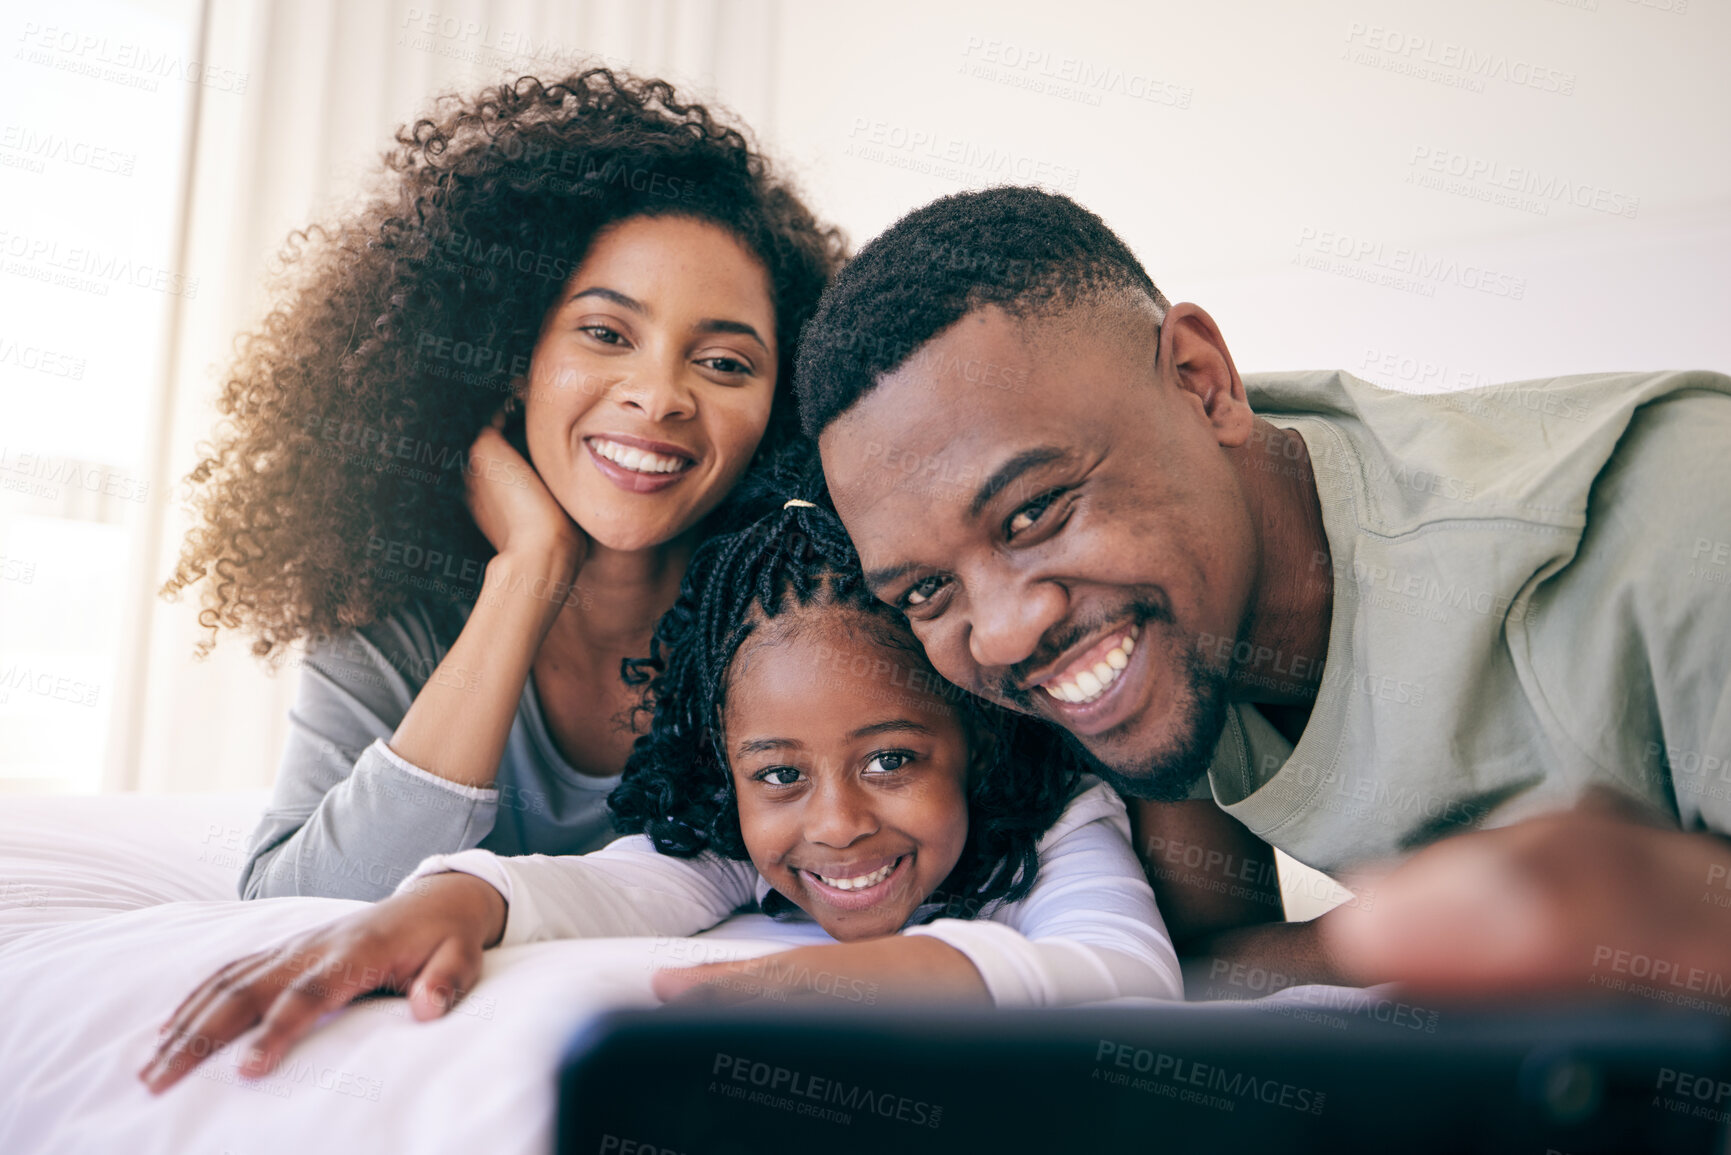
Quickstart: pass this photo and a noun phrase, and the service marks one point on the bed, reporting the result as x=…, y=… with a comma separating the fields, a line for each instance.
x=113, y=907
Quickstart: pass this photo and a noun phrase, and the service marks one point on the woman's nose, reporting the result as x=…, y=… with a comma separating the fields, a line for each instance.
x=660, y=393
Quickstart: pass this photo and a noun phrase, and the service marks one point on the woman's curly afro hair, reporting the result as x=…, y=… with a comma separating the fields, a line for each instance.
x=333, y=492
x=677, y=787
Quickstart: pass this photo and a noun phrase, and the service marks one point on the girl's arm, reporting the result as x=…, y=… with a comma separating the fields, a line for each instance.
x=426, y=941
x=625, y=889
x=1088, y=930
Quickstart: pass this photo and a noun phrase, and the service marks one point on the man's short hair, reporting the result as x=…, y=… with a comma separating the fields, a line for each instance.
x=1022, y=249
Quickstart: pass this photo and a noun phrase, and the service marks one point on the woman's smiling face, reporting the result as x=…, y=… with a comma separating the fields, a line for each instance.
x=851, y=772
x=651, y=382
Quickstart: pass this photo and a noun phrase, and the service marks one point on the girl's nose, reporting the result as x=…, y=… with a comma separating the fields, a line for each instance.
x=840, y=815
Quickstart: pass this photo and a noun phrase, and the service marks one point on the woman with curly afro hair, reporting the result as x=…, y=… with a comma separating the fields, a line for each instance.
x=468, y=455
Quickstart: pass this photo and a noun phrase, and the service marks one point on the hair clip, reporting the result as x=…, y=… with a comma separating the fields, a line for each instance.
x=792, y=502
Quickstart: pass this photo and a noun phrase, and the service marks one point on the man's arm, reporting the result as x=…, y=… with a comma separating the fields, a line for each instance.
x=1219, y=891
x=1595, y=897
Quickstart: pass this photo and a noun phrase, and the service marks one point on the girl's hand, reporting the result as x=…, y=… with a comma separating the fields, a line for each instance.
x=513, y=506
x=895, y=968
x=427, y=942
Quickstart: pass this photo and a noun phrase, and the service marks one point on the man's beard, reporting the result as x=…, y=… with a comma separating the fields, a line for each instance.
x=1171, y=773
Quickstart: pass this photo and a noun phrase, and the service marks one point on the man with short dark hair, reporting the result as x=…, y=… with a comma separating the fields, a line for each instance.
x=1300, y=611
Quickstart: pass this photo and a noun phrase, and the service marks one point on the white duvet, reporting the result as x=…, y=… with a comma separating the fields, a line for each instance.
x=113, y=908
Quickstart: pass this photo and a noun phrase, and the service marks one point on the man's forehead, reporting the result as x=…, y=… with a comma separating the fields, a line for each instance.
x=954, y=398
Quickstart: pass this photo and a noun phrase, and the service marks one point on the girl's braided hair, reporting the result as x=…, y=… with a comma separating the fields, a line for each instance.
x=677, y=787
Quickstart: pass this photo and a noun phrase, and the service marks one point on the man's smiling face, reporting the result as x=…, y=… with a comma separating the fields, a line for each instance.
x=1050, y=505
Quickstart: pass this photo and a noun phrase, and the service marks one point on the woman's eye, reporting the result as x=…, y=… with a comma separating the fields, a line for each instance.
x=603, y=334
x=1026, y=517
x=778, y=776
x=889, y=761
x=732, y=366
x=922, y=591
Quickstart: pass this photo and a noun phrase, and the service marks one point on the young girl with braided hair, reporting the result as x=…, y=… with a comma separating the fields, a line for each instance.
x=803, y=758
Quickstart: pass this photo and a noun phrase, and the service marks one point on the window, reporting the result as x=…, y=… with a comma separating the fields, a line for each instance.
x=98, y=100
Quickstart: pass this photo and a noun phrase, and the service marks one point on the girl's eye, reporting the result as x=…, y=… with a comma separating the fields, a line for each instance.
x=1026, y=517
x=889, y=761
x=603, y=334
x=778, y=775
x=922, y=591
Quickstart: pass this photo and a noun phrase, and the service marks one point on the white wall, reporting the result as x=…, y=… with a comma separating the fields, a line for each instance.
x=1268, y=137
x=1263, y=157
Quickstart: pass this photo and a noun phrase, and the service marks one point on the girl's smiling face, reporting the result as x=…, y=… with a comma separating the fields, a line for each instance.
x=851, y=772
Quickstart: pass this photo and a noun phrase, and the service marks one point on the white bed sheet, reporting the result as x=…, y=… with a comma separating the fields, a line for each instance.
x=112, y=908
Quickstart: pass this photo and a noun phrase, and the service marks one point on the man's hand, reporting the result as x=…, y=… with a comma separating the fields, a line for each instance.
x=1595, y=897
x=897, y=968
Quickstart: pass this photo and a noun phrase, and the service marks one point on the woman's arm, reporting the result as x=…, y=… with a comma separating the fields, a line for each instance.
x=458, y=724
x=1089, y=928
x=352, y=815
x=348, y=818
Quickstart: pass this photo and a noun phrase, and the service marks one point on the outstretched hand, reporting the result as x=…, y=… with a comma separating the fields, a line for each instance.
x=427, y=942
x=1593, y=898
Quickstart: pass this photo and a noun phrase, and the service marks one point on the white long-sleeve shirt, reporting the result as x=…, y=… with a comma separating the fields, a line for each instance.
x=1088, y=930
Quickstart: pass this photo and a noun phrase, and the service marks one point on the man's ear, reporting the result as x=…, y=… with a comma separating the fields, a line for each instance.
x=1193, y=356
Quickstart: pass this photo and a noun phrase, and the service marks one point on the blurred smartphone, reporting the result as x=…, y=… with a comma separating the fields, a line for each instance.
x=1268, y=1078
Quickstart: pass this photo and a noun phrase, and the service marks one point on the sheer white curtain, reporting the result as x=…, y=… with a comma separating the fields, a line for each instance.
x=325, y=84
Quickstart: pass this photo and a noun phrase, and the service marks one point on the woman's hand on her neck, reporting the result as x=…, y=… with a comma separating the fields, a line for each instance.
x=458, y=723
x=517, y=512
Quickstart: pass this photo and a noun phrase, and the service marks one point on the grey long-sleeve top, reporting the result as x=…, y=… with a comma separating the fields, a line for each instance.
x=349, y=818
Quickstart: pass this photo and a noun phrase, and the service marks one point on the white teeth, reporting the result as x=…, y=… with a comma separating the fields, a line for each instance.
x=636, y=460
x=1086, y=685
x=862, y=882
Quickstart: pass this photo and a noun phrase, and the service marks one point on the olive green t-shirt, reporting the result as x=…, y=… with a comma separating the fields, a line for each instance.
x=1532, y=595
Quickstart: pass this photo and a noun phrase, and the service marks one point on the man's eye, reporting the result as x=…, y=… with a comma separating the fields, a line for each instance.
x=778, y=776
x=922, y=591
x=889, y=761
x=1026, y=517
